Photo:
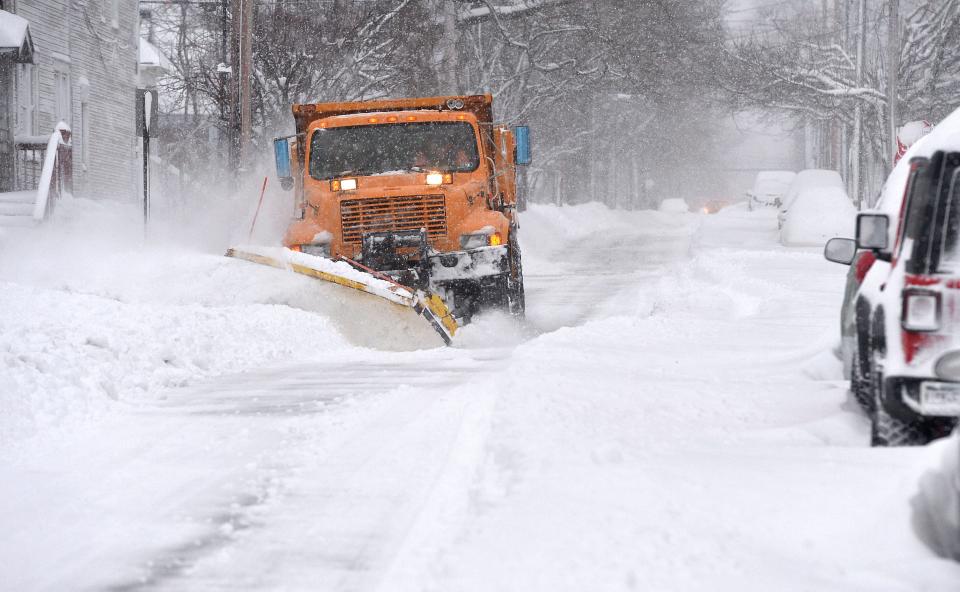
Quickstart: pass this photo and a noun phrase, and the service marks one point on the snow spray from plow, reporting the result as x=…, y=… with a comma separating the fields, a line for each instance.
x=351, y=275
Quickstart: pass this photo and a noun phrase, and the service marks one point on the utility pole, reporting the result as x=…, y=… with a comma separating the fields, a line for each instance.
x=224, y=74
x=856, y=168
x=449, y=64
x=241, y=58
x=893, y=76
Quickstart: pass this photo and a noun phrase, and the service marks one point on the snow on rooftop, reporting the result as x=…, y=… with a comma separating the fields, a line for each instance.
x=13, y=30
x=151, y=56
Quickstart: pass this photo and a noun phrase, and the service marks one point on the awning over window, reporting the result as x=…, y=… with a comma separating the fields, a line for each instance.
x=16, y=45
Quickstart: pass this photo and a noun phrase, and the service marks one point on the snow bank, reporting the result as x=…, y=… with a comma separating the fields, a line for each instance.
x=94, y=316
x=546, y=229
x=773, y=183
x=674, y=205
x=936, y=507
x=66, y=356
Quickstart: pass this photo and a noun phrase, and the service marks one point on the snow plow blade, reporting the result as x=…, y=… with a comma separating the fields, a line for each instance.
x=430, y=306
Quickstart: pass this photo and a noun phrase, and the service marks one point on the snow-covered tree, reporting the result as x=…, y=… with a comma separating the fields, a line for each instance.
x=806, y=66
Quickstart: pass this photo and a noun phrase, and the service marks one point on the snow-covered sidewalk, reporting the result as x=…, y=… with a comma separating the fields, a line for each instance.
x=671, y=418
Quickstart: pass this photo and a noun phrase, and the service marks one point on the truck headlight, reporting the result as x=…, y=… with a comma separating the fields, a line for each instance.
x=343, y=185
x=921, y=310
x=480, y=239
x=439, y=178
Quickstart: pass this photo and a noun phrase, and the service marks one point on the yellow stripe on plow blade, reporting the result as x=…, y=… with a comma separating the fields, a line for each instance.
x=430, y=306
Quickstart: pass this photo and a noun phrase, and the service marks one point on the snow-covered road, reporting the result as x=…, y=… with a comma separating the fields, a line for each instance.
x=670, y=418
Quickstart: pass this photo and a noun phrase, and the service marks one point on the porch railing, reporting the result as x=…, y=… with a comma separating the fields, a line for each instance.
x=46, y=167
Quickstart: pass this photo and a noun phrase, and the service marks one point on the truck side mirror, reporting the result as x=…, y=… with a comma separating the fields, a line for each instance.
x=281, y=154
x=522, y=156
x=872, y=231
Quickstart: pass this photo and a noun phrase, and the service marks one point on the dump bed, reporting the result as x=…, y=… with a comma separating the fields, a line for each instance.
x=480, y=105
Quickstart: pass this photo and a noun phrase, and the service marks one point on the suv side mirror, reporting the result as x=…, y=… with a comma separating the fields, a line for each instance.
x=522, y=155
x=281, y=154
x=872, y=231
x=840, y=250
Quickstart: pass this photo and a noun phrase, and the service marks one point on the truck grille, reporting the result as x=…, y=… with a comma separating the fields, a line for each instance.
x=388, y=214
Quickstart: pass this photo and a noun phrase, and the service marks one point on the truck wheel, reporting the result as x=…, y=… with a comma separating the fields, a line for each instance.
x=516, y=297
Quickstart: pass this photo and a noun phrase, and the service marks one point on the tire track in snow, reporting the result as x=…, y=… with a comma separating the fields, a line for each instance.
x=344, y=504
x=308, y=419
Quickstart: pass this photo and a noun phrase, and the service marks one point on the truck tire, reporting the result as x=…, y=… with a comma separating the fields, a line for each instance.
x=516, y=297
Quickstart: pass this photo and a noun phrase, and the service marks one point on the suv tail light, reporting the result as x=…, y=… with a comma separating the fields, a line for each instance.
x=921, y=310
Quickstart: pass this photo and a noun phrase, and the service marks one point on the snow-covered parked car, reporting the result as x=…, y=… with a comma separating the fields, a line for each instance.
x=907, y=367
x=807, y=181
x=818, y=210
x=905, y=316
x=769, y=188
x=674, y=205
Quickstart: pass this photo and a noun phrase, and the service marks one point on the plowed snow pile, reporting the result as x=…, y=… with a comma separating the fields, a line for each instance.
x=92, y=315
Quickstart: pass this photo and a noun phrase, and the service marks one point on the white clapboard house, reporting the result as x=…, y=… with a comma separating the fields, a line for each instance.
x=68, y=77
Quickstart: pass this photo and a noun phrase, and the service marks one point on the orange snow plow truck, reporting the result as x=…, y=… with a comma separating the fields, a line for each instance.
x=419, y=192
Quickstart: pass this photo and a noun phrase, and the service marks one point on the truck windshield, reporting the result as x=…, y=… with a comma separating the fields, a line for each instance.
x=395, y=147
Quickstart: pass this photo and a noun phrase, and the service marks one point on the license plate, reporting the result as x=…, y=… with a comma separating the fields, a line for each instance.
x=940, y=398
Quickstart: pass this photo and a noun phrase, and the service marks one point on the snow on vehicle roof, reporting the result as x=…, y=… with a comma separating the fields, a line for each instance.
x=818, y=179
x=828, y=193
x=773, y=182
x=779, y=175
x=817, y=215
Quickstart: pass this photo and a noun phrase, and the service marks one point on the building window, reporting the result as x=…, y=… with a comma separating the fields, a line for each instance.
x=28, y=97
x=62, y=95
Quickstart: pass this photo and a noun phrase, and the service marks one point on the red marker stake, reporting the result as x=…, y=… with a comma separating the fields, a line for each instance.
x=259, y=205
